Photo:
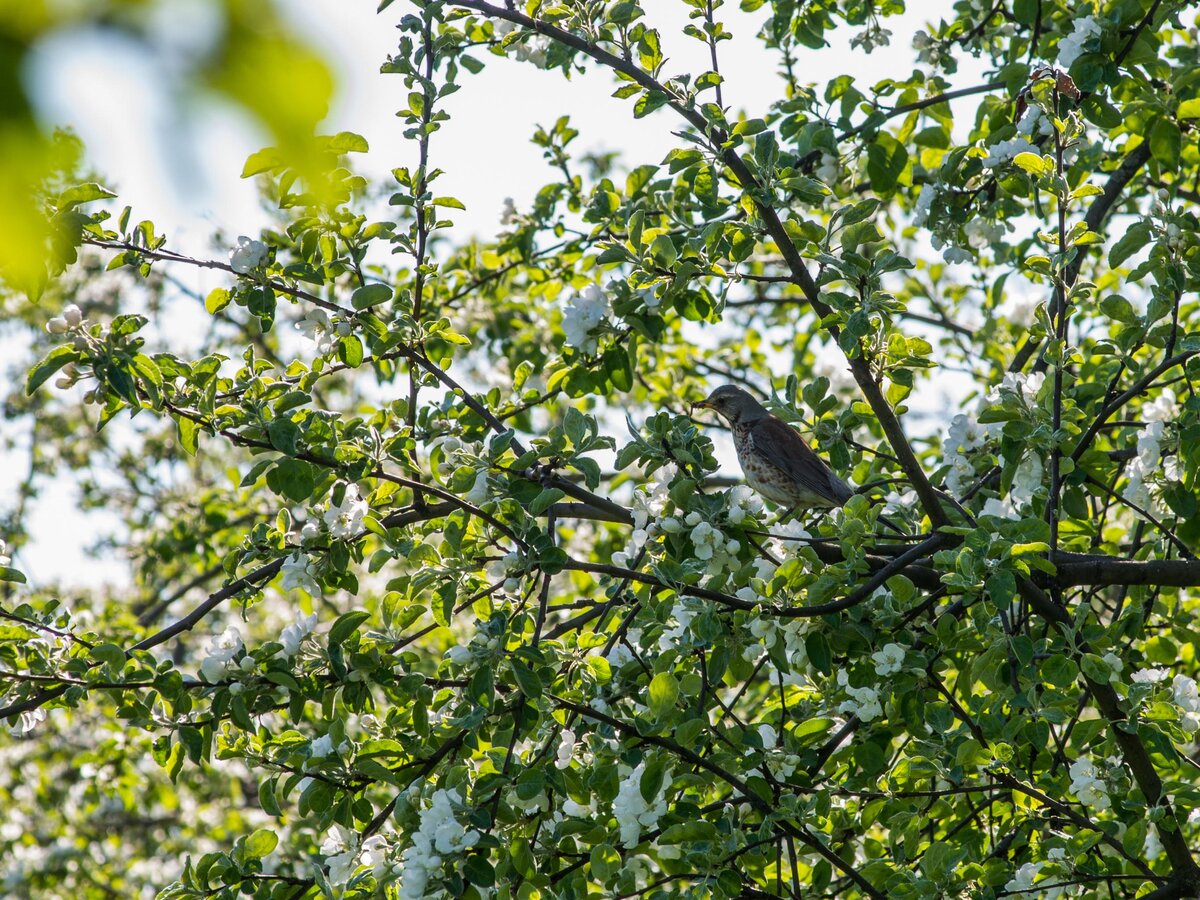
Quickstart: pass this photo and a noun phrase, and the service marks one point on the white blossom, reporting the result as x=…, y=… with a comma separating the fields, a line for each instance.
x=57, y=325
x=963, y=435
x=566, y=749
x=674, y=636
x=248, y=255
x=1018, y=384
x=954, y=255
x=375, y=853
x=1034, y=121
x=1150, y=676
x=340, y=849
x=864, y=701
x=345, y=519
x=925, y=200
x=27, y=721
x=583, y=313
x=829, y=169
x=1188, y=700
x=533, y=49
x=221, y=651
x=889, y=660
x=1023, y=878
x=298, y=574
x=1003, y=151
x=1071, y=47
x=293, y=635
x=1087, y=785
x=320, y=747
x=768, y=736
x=439, y=834
x=743, y=502
x=478, y=492
x=317, y=328
x=1115, y=665
x=631, y=810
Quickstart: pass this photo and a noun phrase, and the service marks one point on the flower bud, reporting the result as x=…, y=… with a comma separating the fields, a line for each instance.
x=73, y=314
x=58, y=325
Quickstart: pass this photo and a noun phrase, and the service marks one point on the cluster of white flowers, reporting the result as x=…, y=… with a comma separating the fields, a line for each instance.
x=743, y=502
x=317, y=327
x=925, y=200
x=1003, y=151
x=982, y=232
x=1071, y=47
x=439, y=834
x=247, y=256
x=889, y=660
x=768, y=631
x=963, y=435
x=1034, y=121
x=5, y=559
x=1187, y=698
x=1139, y=470
x=929, y=49
x=677, y=634
x=533, y=48
x=650, y=502
x=68, y=320
x=222, y=655
x=1026, y=480
x=1022, y=882
x=710, y=543
x=345, y=520
x=583, y=313
x=298, y=574
x=294, y=635
x=874, y=35
x=340, y=850
x=1150, y=676
x=632, y=811
x=1087, y=785
x=863, y=702
x=1017, y=384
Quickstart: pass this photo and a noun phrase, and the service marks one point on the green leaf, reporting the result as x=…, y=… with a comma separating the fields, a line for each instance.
x=51, y=363
x=189, y=435
x=11, y=575
x=346, y=625
x=83, y=193
x=261, y=843
x=1134, y=238
x=1189, y=109
x=1032, y=163
x=217, y=300
x=1166, y=142
x=349, y=142
x=663, y=693
x=263, y=161
x=527, y=679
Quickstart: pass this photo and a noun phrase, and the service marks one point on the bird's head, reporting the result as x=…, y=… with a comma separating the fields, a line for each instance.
x=733, y=404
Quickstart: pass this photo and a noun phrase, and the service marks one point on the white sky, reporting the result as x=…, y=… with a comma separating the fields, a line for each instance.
x=178, y=163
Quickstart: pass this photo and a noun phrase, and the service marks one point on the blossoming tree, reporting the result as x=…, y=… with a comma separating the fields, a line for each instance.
x=440, y=589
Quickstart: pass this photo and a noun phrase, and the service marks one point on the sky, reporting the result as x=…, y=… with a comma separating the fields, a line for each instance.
x=176, y=158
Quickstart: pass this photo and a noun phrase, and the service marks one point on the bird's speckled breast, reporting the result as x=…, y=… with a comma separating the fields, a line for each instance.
x=763, y=477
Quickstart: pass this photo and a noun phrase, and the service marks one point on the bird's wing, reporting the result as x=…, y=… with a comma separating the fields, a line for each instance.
x=784, y=448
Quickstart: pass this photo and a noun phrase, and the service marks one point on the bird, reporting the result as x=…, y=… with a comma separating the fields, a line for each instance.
x=775, y=459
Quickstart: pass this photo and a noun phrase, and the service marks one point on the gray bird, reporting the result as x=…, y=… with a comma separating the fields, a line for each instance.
x=776, y=461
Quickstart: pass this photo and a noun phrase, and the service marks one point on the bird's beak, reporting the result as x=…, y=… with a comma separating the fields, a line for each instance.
x=701, y=404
